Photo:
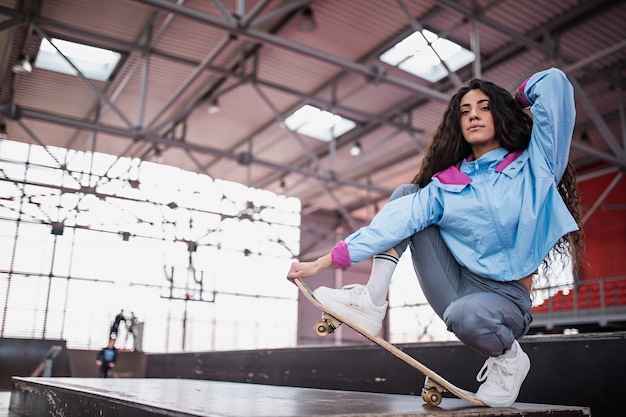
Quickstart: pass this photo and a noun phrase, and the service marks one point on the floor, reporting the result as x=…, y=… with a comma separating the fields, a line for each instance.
x=5, y=398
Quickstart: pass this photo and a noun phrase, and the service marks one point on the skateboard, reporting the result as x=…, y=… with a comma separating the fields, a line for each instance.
x=434, y=385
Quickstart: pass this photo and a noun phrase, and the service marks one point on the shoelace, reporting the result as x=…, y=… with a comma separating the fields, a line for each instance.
x=355, y=291
x=494, y=371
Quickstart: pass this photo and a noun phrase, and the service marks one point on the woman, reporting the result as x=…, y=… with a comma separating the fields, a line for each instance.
x=495, y=198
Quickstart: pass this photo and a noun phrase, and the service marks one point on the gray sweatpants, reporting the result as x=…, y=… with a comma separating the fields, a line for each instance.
x=484, y=314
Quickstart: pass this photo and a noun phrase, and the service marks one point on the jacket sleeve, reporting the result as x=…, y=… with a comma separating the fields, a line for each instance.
x=551, y=99
x=396, y=221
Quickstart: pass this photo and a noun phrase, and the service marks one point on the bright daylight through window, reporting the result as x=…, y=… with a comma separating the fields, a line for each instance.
x=421, y=54
x=201, y=262
x=94, y=63
x=318, y=124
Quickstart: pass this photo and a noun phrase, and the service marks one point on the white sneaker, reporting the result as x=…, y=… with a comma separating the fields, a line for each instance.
x=354, y=303
x=503, y=376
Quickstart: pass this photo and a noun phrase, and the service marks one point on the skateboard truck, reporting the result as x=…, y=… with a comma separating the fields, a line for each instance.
x=327, y=325
x=432, y=392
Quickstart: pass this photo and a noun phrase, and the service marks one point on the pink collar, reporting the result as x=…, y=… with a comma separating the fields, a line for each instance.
x=453, y=175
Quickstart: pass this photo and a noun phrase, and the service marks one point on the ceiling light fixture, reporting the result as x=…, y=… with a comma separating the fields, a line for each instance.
x=157, y=155
x=356, y=149
x=23, y=66
x=307, y=21
x=214, y=107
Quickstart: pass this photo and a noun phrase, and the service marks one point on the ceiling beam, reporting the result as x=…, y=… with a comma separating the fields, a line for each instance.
x=374, y=72
x=13, y=111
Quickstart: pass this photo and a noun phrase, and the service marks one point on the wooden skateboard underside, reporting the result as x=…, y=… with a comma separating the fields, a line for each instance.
x=434, y=385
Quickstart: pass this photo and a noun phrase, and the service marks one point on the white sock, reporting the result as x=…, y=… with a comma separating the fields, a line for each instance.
x=380, y=277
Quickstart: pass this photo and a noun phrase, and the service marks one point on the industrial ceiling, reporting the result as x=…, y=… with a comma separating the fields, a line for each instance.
x=261, y=60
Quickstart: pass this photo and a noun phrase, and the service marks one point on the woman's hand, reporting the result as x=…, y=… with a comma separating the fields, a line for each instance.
x=302, y=270
x=307, y=269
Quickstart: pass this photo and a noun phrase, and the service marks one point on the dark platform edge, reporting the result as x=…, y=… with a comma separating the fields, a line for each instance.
x=83, y=398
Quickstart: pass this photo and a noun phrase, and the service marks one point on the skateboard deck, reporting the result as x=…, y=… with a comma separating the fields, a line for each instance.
x=434, y=385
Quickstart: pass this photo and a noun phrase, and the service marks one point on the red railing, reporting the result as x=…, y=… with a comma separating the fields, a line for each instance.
x=590, y=294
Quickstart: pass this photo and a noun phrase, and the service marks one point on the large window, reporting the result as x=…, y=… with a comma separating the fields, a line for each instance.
x=200, y=262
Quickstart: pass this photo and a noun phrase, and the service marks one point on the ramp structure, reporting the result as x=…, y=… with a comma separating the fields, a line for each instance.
x=86, y=397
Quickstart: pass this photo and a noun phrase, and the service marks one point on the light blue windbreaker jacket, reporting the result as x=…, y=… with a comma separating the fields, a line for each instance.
x=499, y=215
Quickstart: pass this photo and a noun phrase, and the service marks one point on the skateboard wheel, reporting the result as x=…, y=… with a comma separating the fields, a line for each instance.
x=322, y=328
x=431, y=396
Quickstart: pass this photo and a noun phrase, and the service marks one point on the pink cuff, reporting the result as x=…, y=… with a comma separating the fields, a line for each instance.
x=341, y=256
x=522, y=96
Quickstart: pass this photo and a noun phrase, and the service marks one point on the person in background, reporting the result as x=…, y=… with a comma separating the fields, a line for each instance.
x=494, y=200
x=106, y=358
x=115, y=327
x=132, y=327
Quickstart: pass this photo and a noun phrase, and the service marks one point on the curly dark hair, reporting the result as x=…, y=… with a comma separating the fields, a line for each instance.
x=513, y=128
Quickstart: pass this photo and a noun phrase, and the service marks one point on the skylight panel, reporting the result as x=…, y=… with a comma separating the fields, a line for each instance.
x=94, y=63
x=415, y=56
x=318, y=124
